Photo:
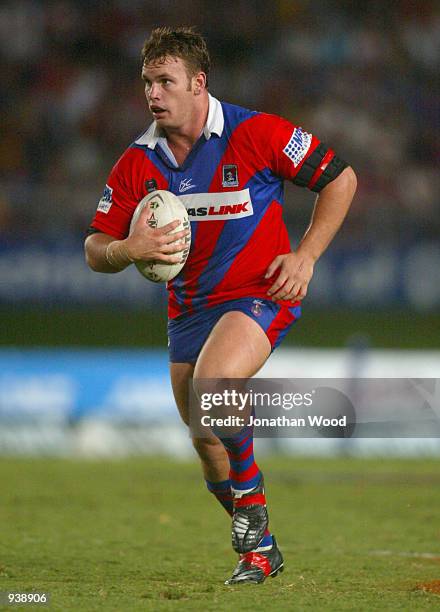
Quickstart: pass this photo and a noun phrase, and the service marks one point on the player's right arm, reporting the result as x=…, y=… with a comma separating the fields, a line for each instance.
x=105, y=254
x=110, y=247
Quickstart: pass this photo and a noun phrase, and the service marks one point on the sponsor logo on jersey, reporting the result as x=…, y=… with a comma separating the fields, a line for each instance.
x=298, y=146
x=218, y=206
x=106, y=201
x=185, y=185
x=230, y=176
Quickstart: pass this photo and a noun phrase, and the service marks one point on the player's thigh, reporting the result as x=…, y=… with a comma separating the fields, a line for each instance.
x=181, y=375
x=237, y=347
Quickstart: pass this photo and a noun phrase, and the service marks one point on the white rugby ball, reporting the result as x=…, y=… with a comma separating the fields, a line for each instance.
x=165, y=207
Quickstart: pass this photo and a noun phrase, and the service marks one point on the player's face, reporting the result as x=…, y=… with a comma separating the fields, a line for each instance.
x=170, y=92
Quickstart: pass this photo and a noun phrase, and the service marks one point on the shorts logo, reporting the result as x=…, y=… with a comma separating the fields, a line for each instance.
x=230, y=176
x=298, y=146
x=257, y=308
x=106, y=201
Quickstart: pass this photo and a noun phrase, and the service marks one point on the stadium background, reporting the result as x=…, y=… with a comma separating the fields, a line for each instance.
x=82, y=352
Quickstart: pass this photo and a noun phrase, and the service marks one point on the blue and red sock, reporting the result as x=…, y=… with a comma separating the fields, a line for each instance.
x=245, y=473
x=222, y=491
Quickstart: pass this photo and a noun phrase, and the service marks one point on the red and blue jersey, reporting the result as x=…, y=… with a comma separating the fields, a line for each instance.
x=232, y=186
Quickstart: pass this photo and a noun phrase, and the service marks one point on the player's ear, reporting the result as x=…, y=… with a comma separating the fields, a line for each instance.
x=199, y=83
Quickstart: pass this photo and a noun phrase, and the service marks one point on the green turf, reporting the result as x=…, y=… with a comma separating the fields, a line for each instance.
x=144, y=534
x=119, y=327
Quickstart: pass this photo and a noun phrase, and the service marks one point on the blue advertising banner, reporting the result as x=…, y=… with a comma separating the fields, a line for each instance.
x=377, y=276
x=66, y=386
x=114, y=403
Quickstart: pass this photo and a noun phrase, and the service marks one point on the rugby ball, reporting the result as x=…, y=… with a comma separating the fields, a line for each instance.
x=165, y=207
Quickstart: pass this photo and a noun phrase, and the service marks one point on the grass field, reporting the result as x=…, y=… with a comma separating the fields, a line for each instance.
x=117, y=327
x=143, y=534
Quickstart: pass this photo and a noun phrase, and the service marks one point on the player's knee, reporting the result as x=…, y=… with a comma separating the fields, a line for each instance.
x=206, y=381
x=205, y=370
x=203, y=385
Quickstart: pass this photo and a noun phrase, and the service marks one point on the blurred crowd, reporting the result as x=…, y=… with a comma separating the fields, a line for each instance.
x=364, y=77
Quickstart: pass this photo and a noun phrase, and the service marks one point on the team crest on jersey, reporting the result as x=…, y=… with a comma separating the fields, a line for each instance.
x=298, y=145
x=230, y=176
x=106, y=200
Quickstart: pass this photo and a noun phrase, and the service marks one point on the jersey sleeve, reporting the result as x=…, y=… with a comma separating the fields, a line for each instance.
x=122, y=193
x=131, y=178
x=301, y=157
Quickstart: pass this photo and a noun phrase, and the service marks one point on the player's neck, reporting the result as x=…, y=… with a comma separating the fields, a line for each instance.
x=184, y=137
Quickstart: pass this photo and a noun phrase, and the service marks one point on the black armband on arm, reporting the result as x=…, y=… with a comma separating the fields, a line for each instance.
x=334, y=169
x=310, y=165
x=310, y=174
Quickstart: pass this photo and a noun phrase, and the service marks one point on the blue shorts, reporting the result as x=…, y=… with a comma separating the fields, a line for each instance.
x=187, y=334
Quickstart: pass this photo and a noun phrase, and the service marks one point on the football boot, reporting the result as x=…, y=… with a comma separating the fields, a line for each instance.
x=249, y=519
x=257, y=566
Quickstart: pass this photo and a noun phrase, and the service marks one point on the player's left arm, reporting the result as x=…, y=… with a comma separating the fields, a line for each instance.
x=295, y=269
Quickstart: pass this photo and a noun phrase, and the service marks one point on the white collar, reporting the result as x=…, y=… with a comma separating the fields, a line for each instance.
x=214, y=125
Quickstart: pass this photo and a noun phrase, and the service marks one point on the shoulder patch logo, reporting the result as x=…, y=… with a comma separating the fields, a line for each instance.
x=298, y=146
x=230, y=175
x=106, y=201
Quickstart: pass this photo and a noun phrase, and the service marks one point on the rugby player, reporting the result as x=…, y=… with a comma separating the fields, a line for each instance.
x=241, y=288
